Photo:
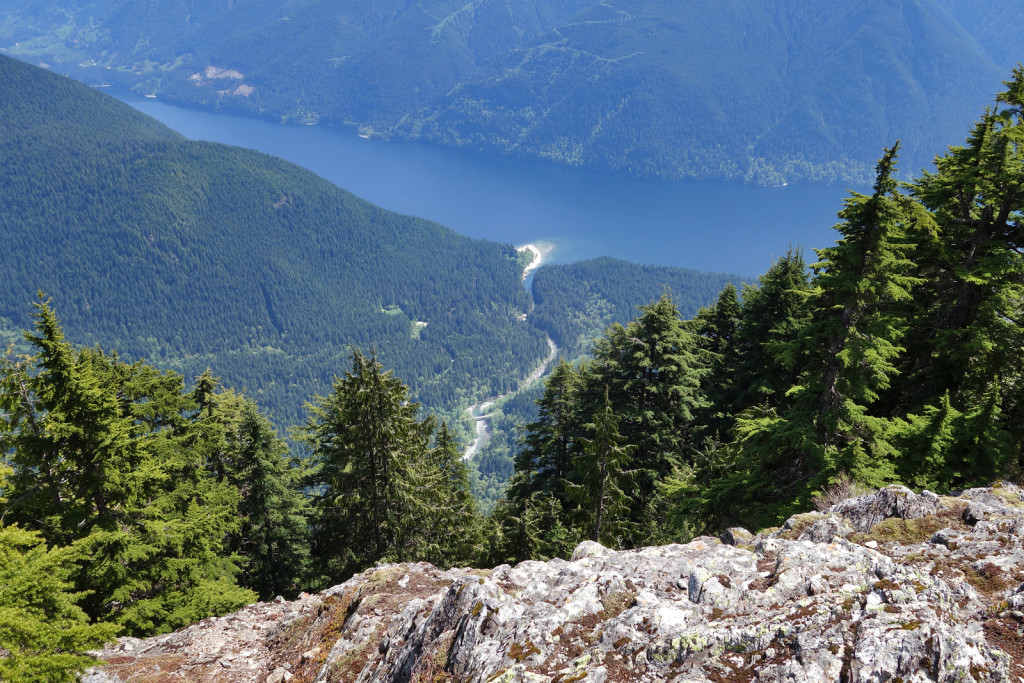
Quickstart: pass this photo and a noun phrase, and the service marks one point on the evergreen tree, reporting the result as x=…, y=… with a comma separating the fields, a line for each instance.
x=216, y=413
x=238, y=446
x=44, y=635
x=717, y=328
x=944, y=448
x=604, y=479
x=848, y=353
x=551, y=441
x=451, y=532
x=968, y=339
x=719, y=324
x=96, y=446
x=643, y=381
x=274, y=538
x=856, y=330
x=368, y=451
x=533, y=528
x=758, y=366
x=772, y=316
x=653, y=373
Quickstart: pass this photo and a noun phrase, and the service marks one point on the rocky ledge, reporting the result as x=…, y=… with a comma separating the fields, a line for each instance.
x=891, y=586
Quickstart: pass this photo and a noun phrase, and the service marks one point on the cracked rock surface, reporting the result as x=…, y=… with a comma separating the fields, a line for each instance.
x=891, y=586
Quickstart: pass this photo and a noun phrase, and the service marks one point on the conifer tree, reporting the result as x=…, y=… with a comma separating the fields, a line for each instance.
x=653, y=372
x=96, y=446
x=719, y=323
x=645, y=379
x=451, y=531
x=848, y=353
x=717, y=328
x=945, y=448
x=367, y=447
x=44, y=635
x=969, y=339
x=604, y=479
x=238, y=446
x=550, y=441
x=771, y=318
x=273, y=540
x=856, y=329
x=537, y=527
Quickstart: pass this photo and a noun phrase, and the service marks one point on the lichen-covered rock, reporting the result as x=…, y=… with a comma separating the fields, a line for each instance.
x=885, y=587
x=865, y=512
x=736, y=535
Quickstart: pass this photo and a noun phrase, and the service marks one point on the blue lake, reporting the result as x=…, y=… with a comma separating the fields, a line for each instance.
x=711, y=226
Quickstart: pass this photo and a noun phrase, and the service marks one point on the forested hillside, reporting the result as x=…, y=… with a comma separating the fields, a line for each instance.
x=194, y=254
x=133, y=502
x=576, y=302
x=764, y=91
x=752, y=91
x=896, y=357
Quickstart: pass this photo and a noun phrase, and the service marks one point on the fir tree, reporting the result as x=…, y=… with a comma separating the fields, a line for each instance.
x=451, y=531
x=771, y=318
x=653, y=372
x=717, y=328
x=273, y=540
x=533, y=528
x=44, y=635
x=550, y=441
x=100, y=468
x=604, y=479
x=856, y=330
x=847, y=354
x=373, y=470
x=968, y=339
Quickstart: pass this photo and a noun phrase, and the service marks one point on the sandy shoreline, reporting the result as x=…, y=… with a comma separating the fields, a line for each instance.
x=540, y=250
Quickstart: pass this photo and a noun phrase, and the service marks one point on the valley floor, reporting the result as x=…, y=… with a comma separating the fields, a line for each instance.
x=476, y=411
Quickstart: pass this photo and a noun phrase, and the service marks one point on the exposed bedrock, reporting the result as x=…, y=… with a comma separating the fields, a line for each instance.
x=892, y=586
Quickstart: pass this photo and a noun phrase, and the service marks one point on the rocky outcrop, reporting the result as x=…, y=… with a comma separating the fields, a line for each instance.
x=891, y=586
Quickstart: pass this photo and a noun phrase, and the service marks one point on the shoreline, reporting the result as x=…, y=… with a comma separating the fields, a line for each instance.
x=540, y=250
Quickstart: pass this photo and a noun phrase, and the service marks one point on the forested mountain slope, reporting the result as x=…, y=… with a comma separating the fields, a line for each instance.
x=757, y=91
x=994, y=24
x=363, y=62
x=576, y=302
x=761, y=91
x=194, y=254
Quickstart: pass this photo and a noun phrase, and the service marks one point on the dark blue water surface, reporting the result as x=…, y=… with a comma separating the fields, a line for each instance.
x=711, y=226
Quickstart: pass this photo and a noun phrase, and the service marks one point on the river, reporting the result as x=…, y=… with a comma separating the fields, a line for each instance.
x=710, y=226
x=479, y=411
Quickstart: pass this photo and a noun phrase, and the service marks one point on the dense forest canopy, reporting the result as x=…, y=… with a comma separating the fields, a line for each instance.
x=193, y=254
x=760, y=91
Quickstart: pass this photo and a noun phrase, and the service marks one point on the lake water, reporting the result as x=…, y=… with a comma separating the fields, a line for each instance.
x=711, y=226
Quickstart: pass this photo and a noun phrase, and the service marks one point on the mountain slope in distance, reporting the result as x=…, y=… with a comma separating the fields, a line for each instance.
x=194, y=254
x=761, y=91
x=362, y=62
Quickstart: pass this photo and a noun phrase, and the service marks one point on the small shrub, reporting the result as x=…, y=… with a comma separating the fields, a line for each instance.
x=842, y=488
